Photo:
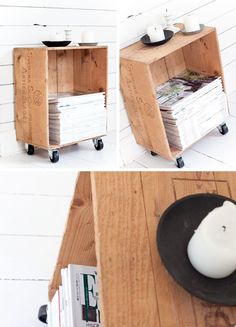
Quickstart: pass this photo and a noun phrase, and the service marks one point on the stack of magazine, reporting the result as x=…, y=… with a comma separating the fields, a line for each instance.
x=76, y=302
x=76, y=117
x=191, y=105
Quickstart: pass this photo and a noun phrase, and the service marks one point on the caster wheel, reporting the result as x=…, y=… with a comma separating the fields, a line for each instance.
x=42, y=315
x=30, y=150
x=54, y=156
x=98, y=144
x=180, y=162
x=223, y=129
x=154, y=154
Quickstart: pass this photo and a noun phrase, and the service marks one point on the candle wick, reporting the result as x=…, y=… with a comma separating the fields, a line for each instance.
x=224, y=228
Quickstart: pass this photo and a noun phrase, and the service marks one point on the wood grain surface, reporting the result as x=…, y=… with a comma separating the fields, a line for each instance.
x=77, y=246
x=140, y=52
x=31, y=96
x=176, y=306
x=142, y=107
x=135, y=288
x=124, y=261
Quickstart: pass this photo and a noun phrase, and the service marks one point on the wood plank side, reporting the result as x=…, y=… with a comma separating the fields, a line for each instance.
x=52, y=72
x=159, y=72
x=65, y=71
x=175, y=304
x=203, y=55
x=82, y=72
x=124, y=262
x=31, y=96
x=175, y=63
x=90, y=70
x=78, y=245
x=142, y=107
x=142, y=53
x=99, y=70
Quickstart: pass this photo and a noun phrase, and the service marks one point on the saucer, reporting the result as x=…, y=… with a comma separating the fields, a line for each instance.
x=193, y=33
x=146, y=39
x=88, y=44
x=176, y=227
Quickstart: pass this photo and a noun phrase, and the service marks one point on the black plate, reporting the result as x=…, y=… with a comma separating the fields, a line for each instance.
x=52, y=44
x=175, y=229
x=146, y=39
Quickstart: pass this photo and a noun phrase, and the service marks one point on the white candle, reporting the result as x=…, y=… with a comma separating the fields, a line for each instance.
x=155, y=33
x=88, y=37
x=212, y=249
x=191, y=23
x=57, y=37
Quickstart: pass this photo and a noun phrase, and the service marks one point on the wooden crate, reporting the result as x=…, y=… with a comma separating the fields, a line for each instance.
x=42, y=71
x=144, y=68
x=112, y=223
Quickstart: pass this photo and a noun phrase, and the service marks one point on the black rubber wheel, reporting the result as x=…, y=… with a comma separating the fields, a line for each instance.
x=30, y=150
x=180, y=162
x=223, y=129
x=42, y=315
x=54, y=157
x=99, y=145
x=154, y=154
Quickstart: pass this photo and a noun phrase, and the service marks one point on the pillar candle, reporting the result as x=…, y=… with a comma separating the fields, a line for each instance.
x=57, y=37
x=212, y=248
x=156, y=33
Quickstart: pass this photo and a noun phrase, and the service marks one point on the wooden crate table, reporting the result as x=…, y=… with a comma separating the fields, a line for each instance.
x=144, y=68
x=42, y=71
x=112, y=224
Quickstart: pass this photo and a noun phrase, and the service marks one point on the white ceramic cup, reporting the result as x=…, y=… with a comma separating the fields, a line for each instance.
x=88, y=37
x=191, y=23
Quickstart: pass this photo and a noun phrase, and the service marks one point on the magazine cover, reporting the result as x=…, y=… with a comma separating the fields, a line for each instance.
x=181, y=87
x=84, y=302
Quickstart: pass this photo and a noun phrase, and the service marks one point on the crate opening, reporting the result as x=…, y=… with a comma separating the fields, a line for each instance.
x=77, y=95
x=195, y=56
x=194, y=104
x=77, y=70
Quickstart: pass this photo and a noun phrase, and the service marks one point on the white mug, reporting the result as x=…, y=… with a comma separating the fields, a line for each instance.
x=191, y=23
x=88, y=37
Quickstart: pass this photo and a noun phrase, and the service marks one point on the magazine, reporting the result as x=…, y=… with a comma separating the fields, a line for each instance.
x=191, y=105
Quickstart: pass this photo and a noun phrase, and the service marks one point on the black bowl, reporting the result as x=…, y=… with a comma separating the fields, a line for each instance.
x=146, y=39
x=52, y=44
x=174, y=231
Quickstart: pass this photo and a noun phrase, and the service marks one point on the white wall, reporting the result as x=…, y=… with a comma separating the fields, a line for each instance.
x=34, y=208
x=218, y=13
x=17, y=19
